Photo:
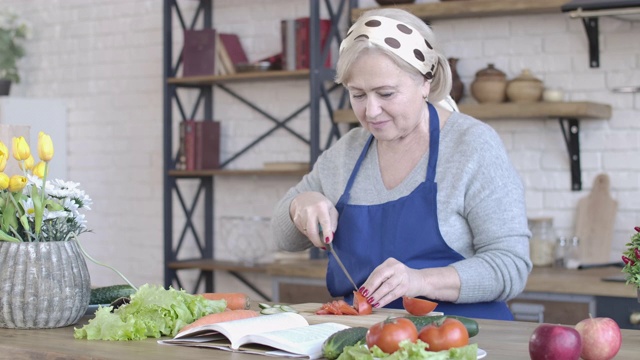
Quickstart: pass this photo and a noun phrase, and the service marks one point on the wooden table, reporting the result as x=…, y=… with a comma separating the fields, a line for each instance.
x=569, y=294
x=501, y=340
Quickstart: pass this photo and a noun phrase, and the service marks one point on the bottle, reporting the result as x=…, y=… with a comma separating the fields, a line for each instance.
x=572, y=260
x=542, y=242
x=560, y=252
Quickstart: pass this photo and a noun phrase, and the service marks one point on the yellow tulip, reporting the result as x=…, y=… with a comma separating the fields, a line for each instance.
x=17, y=183
x=4, y=181
x=4, y=155
x=38, y=170
x=45, y=147
x=28, y=164
x=21, y=150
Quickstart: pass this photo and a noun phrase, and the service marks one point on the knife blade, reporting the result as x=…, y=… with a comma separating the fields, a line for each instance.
x=344, y=269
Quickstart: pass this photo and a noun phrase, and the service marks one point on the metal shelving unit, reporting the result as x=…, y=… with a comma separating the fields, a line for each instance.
x=320, y=87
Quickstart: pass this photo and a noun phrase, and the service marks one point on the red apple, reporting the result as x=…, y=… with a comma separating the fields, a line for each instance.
x=601, y=338
x=555, y=342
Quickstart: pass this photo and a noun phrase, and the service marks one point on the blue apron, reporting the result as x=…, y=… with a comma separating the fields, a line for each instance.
x=405, y=229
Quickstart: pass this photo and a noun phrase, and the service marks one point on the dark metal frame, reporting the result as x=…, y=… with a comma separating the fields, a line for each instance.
x=320, y=88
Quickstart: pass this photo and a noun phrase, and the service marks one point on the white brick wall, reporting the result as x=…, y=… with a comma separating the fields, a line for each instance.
x=105, y=60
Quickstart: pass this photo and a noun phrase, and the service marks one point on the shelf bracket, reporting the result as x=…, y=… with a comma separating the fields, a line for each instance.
x=591, y=27
x=571, y=133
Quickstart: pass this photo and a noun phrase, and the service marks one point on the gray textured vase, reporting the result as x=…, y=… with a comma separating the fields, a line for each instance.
x=42, y=285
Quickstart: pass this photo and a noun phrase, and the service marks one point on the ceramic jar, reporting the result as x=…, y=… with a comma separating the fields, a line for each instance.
x=42, y=284
x=457, y=86
x=489, y=85
x=525, y=88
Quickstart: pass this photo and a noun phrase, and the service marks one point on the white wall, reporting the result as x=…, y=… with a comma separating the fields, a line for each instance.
x=104, y=59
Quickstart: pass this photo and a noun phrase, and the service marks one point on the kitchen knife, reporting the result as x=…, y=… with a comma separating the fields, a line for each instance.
x=344, y=269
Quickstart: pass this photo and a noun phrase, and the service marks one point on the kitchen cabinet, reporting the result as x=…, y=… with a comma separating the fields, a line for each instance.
x=180, y=236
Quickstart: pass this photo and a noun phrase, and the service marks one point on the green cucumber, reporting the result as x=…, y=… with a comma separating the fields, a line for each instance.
x=335, y=344
x=109, y=294
x=421, y=321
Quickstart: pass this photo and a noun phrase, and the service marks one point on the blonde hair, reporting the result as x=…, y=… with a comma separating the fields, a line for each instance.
x=441, y=83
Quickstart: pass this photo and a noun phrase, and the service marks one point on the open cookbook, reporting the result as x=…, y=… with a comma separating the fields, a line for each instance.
x=282, y=335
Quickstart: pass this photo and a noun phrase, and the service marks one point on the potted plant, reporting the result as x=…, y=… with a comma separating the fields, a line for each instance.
x=13, y=32
x=44, y=279
x=631, y=259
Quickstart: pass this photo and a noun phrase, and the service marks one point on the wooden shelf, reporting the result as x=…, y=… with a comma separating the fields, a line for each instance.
x=212, y=265
x=240, y=77
x=476, y=8
x=228, y=172
x=574, y=110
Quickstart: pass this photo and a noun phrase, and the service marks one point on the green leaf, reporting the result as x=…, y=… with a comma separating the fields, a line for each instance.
x=6, y=237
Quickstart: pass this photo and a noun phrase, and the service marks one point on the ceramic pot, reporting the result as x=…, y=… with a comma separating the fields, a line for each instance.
x=457, y=86
x=42, y=284
x=489, y=85
x=5, y=87
x=525, y=88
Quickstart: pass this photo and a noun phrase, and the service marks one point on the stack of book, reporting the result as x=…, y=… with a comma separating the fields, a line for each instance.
x=208, y=52
x=295, y=39
x=199, y=145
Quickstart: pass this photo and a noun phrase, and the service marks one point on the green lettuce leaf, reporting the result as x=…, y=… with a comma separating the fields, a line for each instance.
x=409, y=351
x=152, y=312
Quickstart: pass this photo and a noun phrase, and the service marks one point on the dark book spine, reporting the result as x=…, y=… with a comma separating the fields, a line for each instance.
x=207, y=145
x=189, y=144
x=199, y=52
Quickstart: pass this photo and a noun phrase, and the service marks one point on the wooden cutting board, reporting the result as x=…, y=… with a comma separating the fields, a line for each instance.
x=308, y=310
x=595, y=217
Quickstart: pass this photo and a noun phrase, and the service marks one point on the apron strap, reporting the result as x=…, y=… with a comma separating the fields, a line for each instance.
x=434, y=142
x=344, y=199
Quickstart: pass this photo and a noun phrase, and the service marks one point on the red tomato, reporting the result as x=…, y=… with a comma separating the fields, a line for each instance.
x=360, y=304
x=389, y=333
x=417, y=306
x=444, y=335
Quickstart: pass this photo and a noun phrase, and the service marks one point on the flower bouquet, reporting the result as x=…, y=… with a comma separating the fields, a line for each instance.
x=631, y=259
x=33, y=209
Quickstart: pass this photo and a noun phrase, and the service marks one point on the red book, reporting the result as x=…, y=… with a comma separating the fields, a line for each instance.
x=207, y=145
x=199, y=52
x=232, y=44
x=303, y=49
x=188, y=134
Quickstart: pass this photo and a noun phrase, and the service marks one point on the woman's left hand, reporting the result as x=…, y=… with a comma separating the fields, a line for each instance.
x=393, y=279
x=389, y=281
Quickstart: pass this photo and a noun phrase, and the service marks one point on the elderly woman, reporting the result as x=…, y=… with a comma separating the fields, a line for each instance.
x=419, y=201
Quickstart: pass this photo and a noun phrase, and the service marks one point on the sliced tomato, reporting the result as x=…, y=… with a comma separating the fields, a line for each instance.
x=417, y=306
x=347, y=309
x=360, y=304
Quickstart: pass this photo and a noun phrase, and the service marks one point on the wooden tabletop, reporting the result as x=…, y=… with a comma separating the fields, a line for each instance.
x=500, y=339
x=541, y=279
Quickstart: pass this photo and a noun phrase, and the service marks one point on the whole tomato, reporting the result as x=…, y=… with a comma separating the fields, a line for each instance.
x=444, y=335
x=389, y=333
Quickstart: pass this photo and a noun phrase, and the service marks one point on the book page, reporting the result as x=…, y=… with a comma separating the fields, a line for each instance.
x=235, y=330
x=306, y=341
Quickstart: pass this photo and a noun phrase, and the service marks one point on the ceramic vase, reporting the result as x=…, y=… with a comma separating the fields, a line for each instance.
x=457, y=86
x=5, y=87
x=42, y=284
x=525, y=88
x=489, y=85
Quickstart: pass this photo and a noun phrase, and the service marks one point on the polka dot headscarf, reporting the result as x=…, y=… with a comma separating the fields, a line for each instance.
x=399, y=38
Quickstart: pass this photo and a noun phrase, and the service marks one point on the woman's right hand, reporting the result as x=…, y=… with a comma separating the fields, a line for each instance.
x=310, y=209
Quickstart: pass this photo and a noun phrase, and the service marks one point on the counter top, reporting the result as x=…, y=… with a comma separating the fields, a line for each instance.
x=501, y=340
x=541, y=279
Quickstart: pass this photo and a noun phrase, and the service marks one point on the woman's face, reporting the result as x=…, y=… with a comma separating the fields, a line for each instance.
x=386, y=100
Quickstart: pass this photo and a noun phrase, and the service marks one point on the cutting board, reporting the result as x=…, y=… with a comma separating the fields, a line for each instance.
x=595, y=217
x=308, y=311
